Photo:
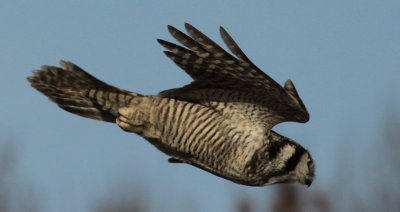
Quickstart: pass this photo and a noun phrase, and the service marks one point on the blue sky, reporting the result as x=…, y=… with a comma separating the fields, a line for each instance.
x=343, y=57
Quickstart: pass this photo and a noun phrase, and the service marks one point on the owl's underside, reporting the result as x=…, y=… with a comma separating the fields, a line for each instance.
x=221, y=122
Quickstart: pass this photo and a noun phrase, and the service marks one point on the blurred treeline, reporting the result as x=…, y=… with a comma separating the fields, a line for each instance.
x=360, y=186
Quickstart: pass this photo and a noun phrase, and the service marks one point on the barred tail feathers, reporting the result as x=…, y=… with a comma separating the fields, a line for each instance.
x=78, y=92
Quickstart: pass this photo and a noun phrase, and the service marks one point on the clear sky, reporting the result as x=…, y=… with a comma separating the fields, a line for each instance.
x=343, y=57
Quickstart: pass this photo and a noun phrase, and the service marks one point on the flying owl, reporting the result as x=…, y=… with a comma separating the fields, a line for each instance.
x=221, y=122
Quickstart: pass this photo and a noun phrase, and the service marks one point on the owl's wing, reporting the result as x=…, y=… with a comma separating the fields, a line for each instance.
x=216, y=72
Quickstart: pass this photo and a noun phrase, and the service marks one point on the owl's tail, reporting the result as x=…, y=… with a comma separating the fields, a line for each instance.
x=78, y=92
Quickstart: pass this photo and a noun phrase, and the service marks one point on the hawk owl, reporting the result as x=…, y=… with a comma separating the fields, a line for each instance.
x=221, y=122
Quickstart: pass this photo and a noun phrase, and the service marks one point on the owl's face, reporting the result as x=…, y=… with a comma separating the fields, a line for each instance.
x=293, y=164
x=302, y=173
x=281, y=160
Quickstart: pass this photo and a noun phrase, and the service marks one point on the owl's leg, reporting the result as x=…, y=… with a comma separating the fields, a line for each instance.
x=131, y=120
x=135, y=119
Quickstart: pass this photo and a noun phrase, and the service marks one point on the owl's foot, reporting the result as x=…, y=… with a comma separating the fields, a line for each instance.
x=131, y=120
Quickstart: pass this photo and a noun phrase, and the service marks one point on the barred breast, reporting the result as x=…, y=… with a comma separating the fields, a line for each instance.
x=202, y=136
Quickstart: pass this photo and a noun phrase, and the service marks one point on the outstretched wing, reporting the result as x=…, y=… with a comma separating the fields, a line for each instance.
x=220, y=78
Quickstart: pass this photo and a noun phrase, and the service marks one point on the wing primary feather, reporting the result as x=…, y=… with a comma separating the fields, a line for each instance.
x=232, y=45
x=175, y=49
x=187, y=41
x=207, y=43
x=235, y=49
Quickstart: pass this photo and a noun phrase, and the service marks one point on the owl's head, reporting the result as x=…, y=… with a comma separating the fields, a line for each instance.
x=288, y=162
x=282, y=160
